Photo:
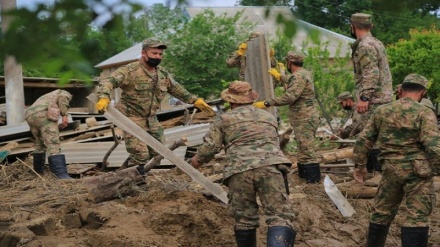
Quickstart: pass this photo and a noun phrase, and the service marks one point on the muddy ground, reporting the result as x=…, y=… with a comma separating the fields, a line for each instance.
x=169, y=210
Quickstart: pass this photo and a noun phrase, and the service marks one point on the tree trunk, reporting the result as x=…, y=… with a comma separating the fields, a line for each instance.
x=335, y=155
x=123, y=182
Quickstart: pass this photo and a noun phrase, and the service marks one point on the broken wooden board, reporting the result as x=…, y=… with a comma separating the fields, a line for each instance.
x=338, y=199
x=126, y=124
x=77, y=169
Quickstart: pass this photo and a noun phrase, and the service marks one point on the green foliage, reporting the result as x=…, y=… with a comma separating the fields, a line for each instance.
x=331, y=76
x=197, y=53
x=391, y=21
x=418, y=54
x=54, y=39
x=264, y=2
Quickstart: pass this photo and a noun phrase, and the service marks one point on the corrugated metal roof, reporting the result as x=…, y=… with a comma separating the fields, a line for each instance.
x=129, y=55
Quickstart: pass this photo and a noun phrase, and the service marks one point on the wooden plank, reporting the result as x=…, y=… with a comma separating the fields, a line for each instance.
x=126, y=124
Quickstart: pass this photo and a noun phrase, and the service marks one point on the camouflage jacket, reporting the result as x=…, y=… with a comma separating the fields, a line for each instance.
x=371, y=70
x=62, y=99
x=403, y=130
x=249, y=137
x=300, y=95
x=142, y=91
x=235, y=60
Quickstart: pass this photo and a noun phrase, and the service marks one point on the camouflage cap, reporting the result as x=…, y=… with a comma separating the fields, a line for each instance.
x=254, y=35
x=416, y=79
x=361, y=18
x=239, y=92
x=344, y=95
x=153, y=43
x=295, y=56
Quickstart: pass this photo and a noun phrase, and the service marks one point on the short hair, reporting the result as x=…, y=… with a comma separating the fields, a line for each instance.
x=362, y=26
x=412, y=87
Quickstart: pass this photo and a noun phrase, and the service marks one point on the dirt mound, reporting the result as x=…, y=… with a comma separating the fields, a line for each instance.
x=169, y=210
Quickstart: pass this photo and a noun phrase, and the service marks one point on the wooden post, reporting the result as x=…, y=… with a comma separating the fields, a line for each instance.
x=14, y=91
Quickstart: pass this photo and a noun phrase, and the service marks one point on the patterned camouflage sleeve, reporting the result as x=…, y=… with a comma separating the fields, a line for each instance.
x=365, y=141
x=213, y=142
x=63, y=104
x=106, y=85
x=368, y=60
x=296, y=86
x=429, y=134
x=233, y=60
x=178, y=91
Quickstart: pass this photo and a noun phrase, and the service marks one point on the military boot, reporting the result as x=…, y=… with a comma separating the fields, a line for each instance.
x=280, y=236
x=246, y=238
x=57, y=165
x=414, y=236
x=301, y=171
x=312, y=173
x=377, y=234
x=39, y=160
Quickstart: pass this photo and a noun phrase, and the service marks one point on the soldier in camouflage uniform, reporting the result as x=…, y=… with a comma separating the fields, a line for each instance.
x=373, y=82
x=238, y=58
x=346, y=100
x=406, y=133
x=255, y=166
x=144, y=84
x=303, y=114
x=46, y=132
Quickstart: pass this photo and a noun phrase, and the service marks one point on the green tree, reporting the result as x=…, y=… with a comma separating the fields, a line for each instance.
x=418, y=54
x=197, y=53
x=390, y=23
x=49, y=38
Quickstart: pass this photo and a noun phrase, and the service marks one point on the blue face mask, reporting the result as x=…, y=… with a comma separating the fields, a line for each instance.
x=153, y=62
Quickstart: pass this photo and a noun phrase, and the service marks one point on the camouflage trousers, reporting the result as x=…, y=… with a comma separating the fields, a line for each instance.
x=139, y=151
x=267, y=183
x=45, y=132
x=305, y=131
x=400, y=181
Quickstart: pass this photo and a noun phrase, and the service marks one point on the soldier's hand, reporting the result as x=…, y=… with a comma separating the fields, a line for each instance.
x=281, y=66
x=195, y=162
x=201, y=105
x=283, y=168
x=242, y=49
x=359, y=174
x=259, y=104
x=362, y=106
x=102, y=104
x=63, y=123
x=273, y=72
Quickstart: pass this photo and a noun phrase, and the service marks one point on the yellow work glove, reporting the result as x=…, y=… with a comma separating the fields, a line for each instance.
x=102, y=104
x=281, y=66
x=201, y=105
x=242, y=49
x=273, y=72
x=259, y=104
x=271, y=52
